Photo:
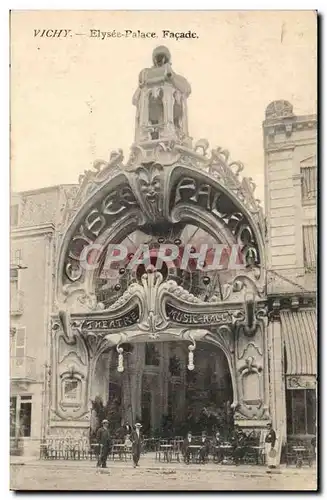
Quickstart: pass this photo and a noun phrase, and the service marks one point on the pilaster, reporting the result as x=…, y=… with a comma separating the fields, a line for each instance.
x=276, y=378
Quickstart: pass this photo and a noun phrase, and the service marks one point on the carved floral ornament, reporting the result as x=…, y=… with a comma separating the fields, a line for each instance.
x=153, y=307
x=167, y=153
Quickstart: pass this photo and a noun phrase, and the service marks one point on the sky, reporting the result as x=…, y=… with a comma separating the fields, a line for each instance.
x=71, y=98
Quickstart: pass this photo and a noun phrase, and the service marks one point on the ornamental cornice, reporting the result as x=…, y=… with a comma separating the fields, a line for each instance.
x=288, y=127
x=32, y=231
x=295, y=302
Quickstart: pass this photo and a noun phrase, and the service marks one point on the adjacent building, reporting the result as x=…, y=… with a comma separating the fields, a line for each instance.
x=290, y=144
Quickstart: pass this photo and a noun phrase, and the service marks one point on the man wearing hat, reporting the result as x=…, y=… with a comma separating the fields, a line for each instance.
x=270, y=442
x=205, y=448
x=103, y=439
x=136, y=439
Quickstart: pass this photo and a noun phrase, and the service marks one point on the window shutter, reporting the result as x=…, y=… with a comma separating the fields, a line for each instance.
x=20, y=341
x=309, y=184
x=310, y=246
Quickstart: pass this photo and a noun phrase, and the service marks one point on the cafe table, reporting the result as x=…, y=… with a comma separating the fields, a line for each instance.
x=166, y=450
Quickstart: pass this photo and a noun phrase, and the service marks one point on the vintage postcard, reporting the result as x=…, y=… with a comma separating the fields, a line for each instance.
x=163, y=325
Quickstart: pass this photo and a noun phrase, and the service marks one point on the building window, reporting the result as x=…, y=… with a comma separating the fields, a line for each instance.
x=14, y=215
x=15, y=261
x=25, y=415
x=310, y=247
x=16, y=258
x=13, y=413
x=20, y=416
x=20, y=342
x=309, y=185
x=301, y=411
x=13, y=284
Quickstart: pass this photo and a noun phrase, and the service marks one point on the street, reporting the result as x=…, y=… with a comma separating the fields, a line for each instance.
x=154, y=476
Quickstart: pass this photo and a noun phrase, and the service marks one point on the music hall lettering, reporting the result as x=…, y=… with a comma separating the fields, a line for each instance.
x=186, y=318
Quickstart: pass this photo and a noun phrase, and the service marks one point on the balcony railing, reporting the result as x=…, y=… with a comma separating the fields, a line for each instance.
x=22, y=368
x=17, y=303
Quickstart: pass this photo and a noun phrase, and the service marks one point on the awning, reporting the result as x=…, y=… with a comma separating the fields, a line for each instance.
x=299, y=330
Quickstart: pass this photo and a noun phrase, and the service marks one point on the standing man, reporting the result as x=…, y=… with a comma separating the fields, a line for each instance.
x=205, y=448
x=136, y=439
x=186, y=447
x=217, y=442
x=104, y=442
x=270, y=451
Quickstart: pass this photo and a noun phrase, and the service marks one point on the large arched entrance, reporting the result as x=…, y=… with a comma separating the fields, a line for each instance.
x=157, y=388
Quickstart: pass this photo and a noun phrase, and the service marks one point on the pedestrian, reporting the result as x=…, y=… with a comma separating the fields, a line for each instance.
x=217, y=442
x=186, y=447
x=104, y=442
x=127, y=429
x=205, y=448
x=270, y=452
x=136, y=439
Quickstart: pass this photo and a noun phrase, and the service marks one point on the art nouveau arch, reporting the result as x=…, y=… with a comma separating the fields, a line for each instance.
x=148, y=196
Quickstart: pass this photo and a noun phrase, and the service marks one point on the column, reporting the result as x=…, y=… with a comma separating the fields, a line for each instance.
x=180, y=407
x=185, y=118
x=165, y=375
x=168, y=102
x=277, y=378
x=127, y=399
x=139, y=351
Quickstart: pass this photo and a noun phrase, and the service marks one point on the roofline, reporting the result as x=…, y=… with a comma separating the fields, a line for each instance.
x=42, y=190
x=294, y=118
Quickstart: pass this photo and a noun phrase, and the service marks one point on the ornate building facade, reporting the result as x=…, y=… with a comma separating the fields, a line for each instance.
x=151, y=340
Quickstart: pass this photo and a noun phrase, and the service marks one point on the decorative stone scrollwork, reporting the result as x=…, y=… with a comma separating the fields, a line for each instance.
x=63, y=324
x=203, y=145
x=279, y=109
x=242, y=282
x=69, y=433
x=251, y=390
x=247, y=347
x=89, y=301
x=225, y=336
x=228, y=175
x=179, y=292
x=94, y=342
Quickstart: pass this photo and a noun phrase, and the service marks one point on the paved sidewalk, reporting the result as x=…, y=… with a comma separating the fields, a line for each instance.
x=149, y=463
x=153, y=476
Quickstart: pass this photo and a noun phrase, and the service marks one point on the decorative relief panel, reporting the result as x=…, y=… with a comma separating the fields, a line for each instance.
x=251, y=364
x=74, y=433
x=301, y=382
x=70, y=377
